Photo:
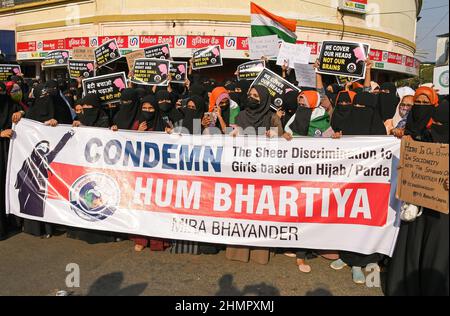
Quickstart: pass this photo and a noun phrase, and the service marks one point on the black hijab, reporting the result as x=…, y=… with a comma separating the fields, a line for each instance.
x=439, y=133
x=388, y=102
x=341, y=113
x=190, y=115
x=418, y=119
x=154, y=120
x=364, y=119
x=62, y=109
x=168, y=110
x=7, y=108
x=43, y=108
x=244, y=85
x=89, y=117
x=128, y=111
x=259, y=117
x=290, y=106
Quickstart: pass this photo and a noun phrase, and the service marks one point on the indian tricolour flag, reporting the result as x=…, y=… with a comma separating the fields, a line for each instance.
x=265, y=23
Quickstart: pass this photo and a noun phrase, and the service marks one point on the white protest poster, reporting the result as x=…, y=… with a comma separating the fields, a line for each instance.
x=441, y=79
x=306, y=75
x=267, y=46
x=293, y=54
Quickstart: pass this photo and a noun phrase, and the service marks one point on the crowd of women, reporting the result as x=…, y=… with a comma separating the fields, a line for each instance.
x=420, y=264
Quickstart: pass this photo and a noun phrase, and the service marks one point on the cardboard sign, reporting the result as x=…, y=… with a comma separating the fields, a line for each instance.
x=250, y=70
x=306, y=75
x=158, y=52
x=9, y=70
x=293, y=54
x=343, y=59
x=264, y=46
x=83, y=53
x=178, y=71
x=131, y=58
x=151, y=72
x=207, y=57
x=81, y=68
x=441, y=79
x=423, y=171
x=57, y=58
x=108, y=87
x=277, y=86
x=107, y=53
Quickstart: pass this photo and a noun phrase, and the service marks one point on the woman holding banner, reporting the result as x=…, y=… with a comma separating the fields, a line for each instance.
x=396, y=125
x=420, y=264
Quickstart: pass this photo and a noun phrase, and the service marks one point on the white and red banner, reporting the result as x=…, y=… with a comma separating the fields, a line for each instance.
x=307, y=193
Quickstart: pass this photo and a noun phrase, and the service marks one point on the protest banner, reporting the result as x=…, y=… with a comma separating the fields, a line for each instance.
x=264, y=46
x=107, y=53
x=158, y=52
x=107, y=87
x=343, y=59
x=250, y=70
x=81, y=68
x=178, y=71
x=56, y=58
x=83, y=53
x=423, y=171
x=149, y=71
x=293, y=54
x=312, y=193
x=6, y=71
x=343, y=80
x=207, y=58
x=276, y=85
x=305, y=75
x=131, y=58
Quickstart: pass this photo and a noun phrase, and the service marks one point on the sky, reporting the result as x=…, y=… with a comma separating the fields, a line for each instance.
x=430, y=19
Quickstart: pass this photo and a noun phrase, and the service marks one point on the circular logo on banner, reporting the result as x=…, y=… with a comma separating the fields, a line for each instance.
x=213, y=61
x=443, y=79
x=178, y=77
x=351, y=67
x=158, y=78
x=112, y=55
x=94, y=197
x=278, y=102
x=61, y=61
x=86, y=74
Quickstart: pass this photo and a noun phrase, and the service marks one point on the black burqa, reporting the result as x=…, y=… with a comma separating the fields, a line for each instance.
x=61, y=106
x=128, y=110
x=341, y=113
x=154, y=120
x=388, y=102
x=420, y=263
x=290, y=105
x=363, y=118
x=43, y=108
x=167, y=109
x=95, y=116
x=418, y=119
x=7, y=109
x=191, y=115
x=259, y=117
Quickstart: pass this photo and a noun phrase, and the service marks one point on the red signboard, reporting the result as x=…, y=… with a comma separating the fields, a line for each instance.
x=410, y=62
x=122, y=41
x=376, y=55
x=242, y=43
x=314, y=46
x=25, y=47
x=152, y=40
x=394, y=58
x=205, y=41
x=50, y=45
x=74, y=42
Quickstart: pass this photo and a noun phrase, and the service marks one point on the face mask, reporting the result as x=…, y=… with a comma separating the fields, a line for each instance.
x=252, y=103
x=165, y=107
x=148, y=116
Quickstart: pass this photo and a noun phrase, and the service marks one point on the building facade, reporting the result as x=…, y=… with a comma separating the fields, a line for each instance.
x=42, y=26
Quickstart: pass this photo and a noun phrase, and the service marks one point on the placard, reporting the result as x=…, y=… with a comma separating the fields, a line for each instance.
x=264, y=46
x=207, y=58
x=178, y=71
x=343, y=59
x=108, y=87
x=56, y=58
x=81, y=68
x=441, y=79
x=277, y=86
x=250, y=70
x=293, y=54
x=131, y=58
x=305, y=75
x=107, y=53
x=158, y=52
x=9, y=70
x=83, y=53
x=423, y=171
x=151, y=72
